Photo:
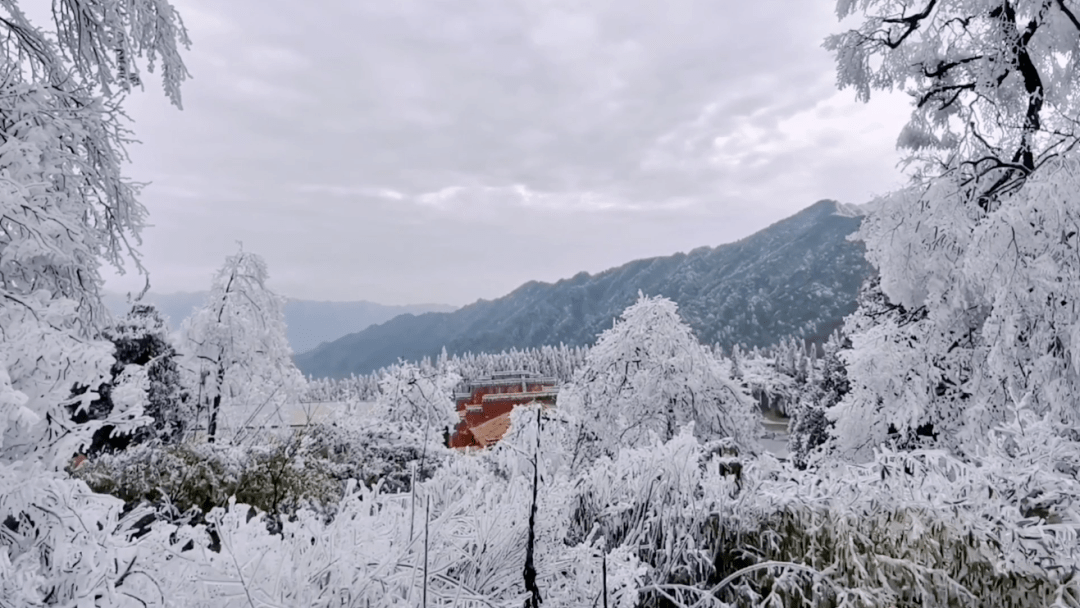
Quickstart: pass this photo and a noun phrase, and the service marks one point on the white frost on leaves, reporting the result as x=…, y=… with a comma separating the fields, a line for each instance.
x=13, y=410
x=990, y=319
x=420, y=400
x=237, y=354
x=977, y=312
x=648, y=376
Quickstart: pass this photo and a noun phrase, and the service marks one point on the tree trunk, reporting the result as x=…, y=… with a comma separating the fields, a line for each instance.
x=215, y=406
x=211, y=427
x=670, y=420
x=533, y=601
x=603, y=573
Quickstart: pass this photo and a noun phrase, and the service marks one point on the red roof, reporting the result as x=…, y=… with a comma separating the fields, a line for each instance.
x=491, y=431
x=484, y=405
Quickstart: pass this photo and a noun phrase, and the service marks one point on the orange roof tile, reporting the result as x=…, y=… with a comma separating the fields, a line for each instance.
x=492, y=430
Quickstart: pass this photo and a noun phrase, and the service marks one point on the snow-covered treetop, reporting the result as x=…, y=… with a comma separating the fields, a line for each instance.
x=648, y=375
x=64, y=205
x=991, y=80
x=97, y=42
x=236, y=345
x=417, y=400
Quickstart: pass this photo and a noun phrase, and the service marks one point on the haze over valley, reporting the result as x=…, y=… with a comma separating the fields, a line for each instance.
x=309, y=323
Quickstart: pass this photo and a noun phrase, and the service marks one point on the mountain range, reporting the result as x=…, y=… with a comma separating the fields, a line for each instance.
x=798, y=277
x=309, y=323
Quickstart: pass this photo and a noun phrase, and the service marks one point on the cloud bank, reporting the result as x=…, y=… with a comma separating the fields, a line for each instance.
x=416, y=151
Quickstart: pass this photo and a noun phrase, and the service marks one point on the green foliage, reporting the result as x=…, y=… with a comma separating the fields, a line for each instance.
x=287, y=477
x=278, y=478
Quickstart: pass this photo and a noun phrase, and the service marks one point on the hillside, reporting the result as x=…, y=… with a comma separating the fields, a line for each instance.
x=799, y=276
x=310, y=323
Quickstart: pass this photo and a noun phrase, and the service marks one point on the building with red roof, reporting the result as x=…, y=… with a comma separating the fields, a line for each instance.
x=484, y=405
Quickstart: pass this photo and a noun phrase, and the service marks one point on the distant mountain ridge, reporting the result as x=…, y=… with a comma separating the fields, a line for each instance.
x=800, y=276
x=310, y=323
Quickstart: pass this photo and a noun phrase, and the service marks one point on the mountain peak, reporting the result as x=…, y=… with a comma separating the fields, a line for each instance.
x=799, y=277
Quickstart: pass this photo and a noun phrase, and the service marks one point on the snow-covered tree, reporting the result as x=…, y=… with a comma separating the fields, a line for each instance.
x=764, y=378
x=420, y=401
x=66, y=208
x=992, y=82
x=143, y=353
x=979, y=306
x=809, y=425
x=142, y=338
x=237, y=350
x=648, y=375
x=64, y=205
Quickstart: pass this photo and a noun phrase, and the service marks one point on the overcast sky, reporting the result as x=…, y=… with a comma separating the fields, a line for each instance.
x=411, y=151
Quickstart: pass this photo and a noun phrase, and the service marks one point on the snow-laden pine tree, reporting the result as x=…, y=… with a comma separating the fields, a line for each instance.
x=648, y=376
x=978, y=313
x=237, y=352
x=809, y=425
x=143, y=353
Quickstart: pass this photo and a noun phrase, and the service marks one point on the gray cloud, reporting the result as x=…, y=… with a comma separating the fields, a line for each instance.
x=416, y=151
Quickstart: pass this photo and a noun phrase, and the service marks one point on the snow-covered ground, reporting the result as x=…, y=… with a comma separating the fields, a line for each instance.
x=303, y=413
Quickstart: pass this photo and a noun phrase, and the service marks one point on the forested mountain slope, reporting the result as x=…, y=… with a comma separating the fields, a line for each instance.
x=799, y=276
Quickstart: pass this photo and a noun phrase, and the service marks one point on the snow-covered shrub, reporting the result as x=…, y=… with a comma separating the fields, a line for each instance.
x=908, y=528
x=185, y=476
x=657, y=503
x=913, y=528
x=377, y=454
x=456, y=541
x=278, y=477
x=678, y=524
x=63, y=545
